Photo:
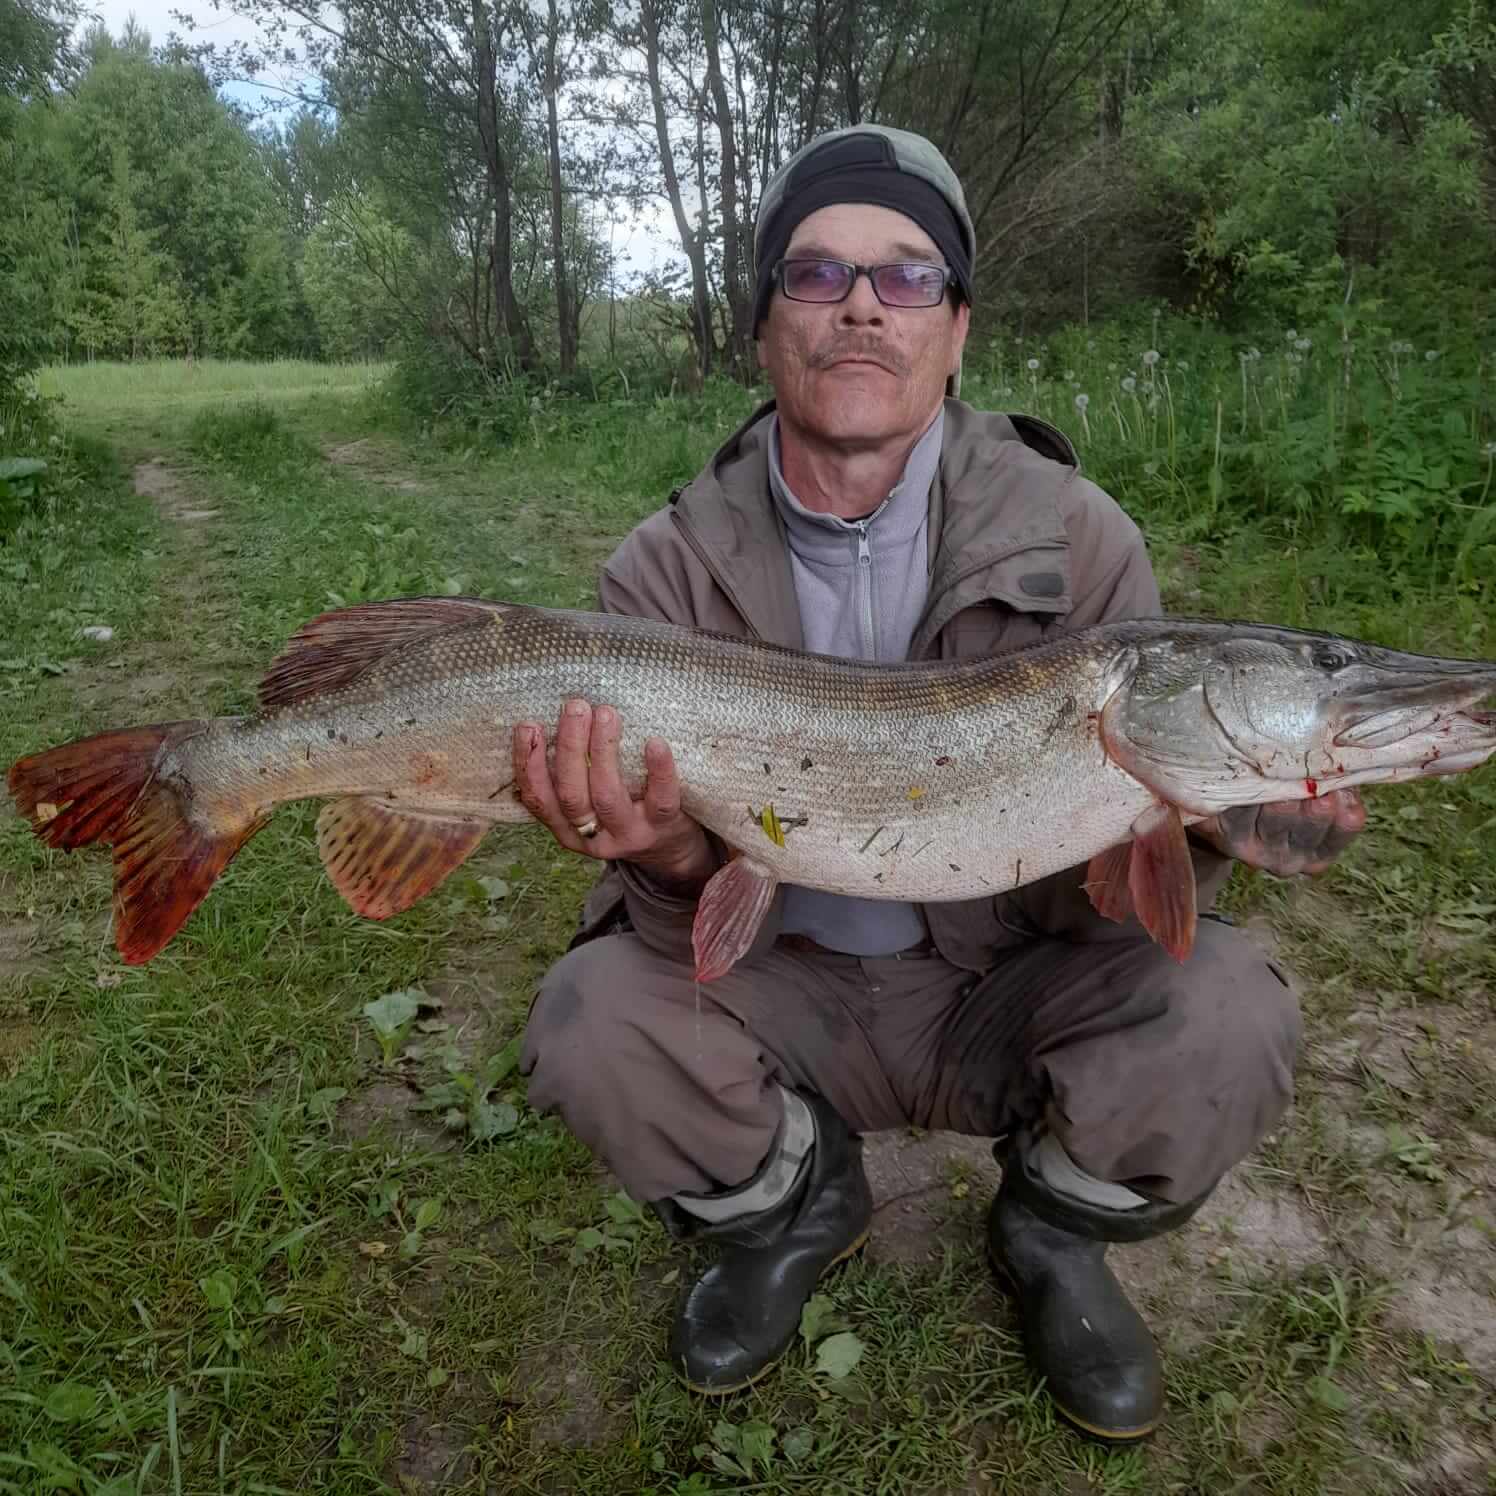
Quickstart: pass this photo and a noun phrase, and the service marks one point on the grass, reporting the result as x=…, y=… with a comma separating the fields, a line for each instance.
x=238, y=1255
x=112, y=392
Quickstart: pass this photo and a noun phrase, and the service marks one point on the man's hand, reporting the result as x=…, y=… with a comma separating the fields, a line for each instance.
x=1287, y=837
x=587, y=789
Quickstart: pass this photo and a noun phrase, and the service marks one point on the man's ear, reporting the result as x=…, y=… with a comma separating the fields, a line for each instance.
x=958, y=342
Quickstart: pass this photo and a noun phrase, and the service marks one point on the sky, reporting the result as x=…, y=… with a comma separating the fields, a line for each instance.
x=646, y=244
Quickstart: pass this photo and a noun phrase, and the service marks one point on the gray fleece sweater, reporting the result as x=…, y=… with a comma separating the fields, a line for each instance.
x=861, y=585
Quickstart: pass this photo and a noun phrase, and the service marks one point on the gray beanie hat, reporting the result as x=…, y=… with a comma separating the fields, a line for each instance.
x=864, y=164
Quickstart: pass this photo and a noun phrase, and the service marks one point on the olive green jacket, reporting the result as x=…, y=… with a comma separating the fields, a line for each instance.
x=1022, y=547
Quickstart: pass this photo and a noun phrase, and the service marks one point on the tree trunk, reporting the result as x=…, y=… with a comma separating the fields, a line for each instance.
x=566, y=312
x=701, y=301
x=740, y=312
x=512, y=321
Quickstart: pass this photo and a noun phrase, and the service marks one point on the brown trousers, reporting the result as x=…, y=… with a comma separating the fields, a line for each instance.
x=1155, y=1075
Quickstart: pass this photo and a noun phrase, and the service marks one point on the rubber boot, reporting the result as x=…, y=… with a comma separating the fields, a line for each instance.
x=743, y=1313
x=1083, y=1336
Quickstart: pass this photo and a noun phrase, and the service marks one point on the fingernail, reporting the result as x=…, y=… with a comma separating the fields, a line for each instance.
x=576, y=708
x=603, y=716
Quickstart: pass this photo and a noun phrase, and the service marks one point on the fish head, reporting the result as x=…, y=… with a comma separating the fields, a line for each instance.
x=1222, y=715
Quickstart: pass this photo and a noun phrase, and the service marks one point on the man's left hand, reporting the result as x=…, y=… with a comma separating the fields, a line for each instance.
x=1287, y=837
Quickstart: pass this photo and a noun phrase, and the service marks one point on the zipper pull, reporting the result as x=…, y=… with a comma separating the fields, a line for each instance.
x=864, y=552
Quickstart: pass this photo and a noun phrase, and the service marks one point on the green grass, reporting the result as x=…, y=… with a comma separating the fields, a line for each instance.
x=116, y=390
x=234, y=1254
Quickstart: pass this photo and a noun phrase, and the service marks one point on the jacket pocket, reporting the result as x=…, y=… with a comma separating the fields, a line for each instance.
x=1016, y=600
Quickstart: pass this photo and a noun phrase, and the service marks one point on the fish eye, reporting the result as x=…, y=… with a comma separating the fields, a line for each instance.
x=1331, y=657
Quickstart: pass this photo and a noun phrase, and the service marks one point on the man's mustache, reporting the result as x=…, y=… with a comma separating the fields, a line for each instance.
x=878, y=353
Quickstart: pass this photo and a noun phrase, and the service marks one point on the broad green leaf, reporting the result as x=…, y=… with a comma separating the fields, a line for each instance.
x=756, y=1444
x=587, y=1241
x=501, y=1065
x=625, y=1211
x=837, y=1356
x=218, y=1288
x=70, y=1402
x=390, y=1012
x=21, y=467
x=428, y=1212
x=493, y=1120
x=818, y=1319
x=798, y=1443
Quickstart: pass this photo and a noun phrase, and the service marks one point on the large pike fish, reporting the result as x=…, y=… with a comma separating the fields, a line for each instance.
x=917, y=781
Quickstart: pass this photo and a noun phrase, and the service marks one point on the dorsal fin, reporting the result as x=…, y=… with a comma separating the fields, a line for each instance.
x=334, y=649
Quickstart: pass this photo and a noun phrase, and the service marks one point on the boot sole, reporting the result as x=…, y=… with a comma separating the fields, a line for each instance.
x=1114, y=1437
x=768, y=1366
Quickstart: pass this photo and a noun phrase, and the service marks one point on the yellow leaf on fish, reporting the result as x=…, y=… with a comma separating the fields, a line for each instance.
x=772, y=828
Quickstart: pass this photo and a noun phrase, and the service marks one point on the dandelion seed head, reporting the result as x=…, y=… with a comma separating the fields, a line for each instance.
x=1081, y=401
x=1293, y=335
x=1254, y=353
x=1150, y=357
x=1033, y=365
x=1303, y=344
x=1129, y=384
x=1431, y=355
x=1069, y=376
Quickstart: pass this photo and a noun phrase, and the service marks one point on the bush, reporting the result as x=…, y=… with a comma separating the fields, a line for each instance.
x=247, y=435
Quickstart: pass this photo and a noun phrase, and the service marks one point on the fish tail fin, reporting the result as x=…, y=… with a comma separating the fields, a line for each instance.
x=106, y=789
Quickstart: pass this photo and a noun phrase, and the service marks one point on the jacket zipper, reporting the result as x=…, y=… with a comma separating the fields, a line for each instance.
x=865, y=591
x=931, y=602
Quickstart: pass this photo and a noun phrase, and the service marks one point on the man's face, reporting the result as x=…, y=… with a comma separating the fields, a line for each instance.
x=858, y=372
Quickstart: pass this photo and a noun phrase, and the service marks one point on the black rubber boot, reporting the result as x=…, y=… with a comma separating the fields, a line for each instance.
x=1083, y=1336
x=743, y=1313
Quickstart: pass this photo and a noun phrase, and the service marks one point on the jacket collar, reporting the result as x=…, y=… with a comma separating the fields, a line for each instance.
x=729, y=518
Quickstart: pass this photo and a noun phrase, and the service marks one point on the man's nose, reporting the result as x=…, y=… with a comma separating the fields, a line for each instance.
x=861, y=306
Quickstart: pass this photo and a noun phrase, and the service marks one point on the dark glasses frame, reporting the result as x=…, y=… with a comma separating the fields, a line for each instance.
x=873, y=272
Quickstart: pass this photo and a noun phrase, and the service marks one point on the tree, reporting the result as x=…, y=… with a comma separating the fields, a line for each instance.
x=34, y=62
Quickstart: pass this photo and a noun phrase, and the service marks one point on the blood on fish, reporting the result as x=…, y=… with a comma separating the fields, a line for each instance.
x=1312, y=785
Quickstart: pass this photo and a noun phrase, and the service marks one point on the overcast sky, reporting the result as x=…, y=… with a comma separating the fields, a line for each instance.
x=642, y=246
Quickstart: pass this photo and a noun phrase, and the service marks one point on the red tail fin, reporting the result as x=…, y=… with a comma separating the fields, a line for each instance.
x=105, y=789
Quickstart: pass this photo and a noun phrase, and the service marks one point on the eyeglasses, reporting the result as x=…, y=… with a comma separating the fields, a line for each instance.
x=906, y=284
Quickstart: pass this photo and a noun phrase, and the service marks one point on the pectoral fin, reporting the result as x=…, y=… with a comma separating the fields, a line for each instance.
x=1106, y=882
x=1153, y=876
x=731, y=910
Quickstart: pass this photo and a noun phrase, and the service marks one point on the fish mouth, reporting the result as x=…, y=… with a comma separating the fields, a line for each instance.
x=1435, y=700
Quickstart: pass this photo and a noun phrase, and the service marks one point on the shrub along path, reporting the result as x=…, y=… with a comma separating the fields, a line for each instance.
x=255, y=1237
